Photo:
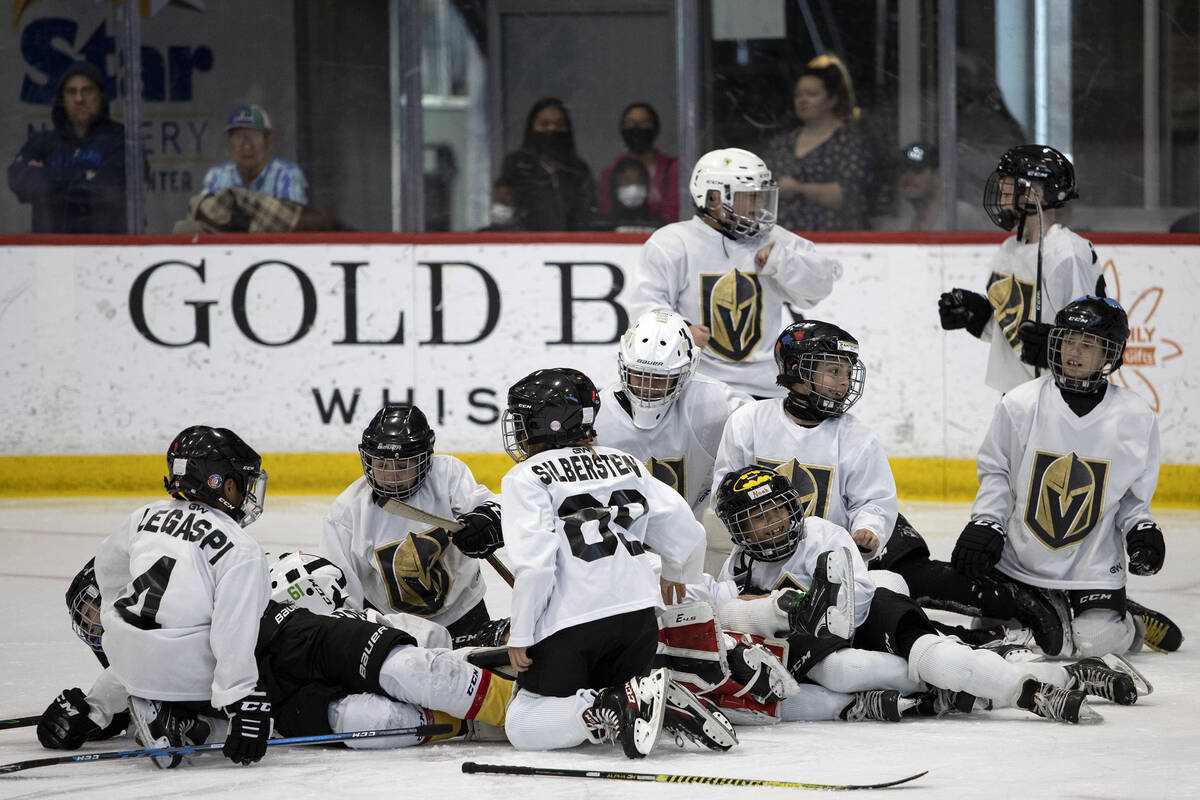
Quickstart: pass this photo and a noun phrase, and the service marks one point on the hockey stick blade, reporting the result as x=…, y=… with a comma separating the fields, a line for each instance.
x=662, y=777
x=185, y=750
x=19, y=722
x=402, y=509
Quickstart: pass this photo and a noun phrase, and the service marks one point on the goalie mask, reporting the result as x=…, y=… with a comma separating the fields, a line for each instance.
x=1020, y=171
x=83, y=604
x=201, y=459
x=310, y=581
x=819, y=366
x=1087, y=343
x=396, y=450
x=554, y=407
x=762, y=512
x=747, y=195
x=656, y=361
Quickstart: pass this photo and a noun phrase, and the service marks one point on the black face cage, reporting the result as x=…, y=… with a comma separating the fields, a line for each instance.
x=516, y=438
x=1093, y=381
x=766, y=539
x=85, y=616
x=820, y=399
x=394, y=462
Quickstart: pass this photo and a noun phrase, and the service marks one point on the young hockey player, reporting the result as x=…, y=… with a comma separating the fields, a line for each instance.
x=838, y=467
x=729, y=269
x=182, y=587
x=1067, y=470
x=1026, y=177
x=394, y=563
x=578, y=519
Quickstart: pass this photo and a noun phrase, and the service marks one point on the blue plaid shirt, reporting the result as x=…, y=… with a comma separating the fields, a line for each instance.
x=279, y=178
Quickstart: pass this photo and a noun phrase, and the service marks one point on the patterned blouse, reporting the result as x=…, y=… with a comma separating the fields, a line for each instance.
x=845, y=158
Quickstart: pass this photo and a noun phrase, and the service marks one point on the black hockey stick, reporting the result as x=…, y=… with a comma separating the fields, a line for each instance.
x=419, y=730
x=662, y=777
x=19, y=722
x=402, y=509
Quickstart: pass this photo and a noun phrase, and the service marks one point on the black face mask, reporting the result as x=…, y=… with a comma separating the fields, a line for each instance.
x=638, y=140
x=556, y=144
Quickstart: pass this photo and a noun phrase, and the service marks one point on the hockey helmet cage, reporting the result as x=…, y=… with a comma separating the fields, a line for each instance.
x=749, y=197
x=83, y=604
x=396, y=450
x=1088, y=329
x=555, y=407
x=199, y=461
x=1019, y=169
x=762, y=511
x=802, y=350
x=656, y=360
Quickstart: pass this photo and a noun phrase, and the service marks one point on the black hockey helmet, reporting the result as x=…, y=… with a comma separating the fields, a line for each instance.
x=397, y=440
x=83, y=604
x=801, y=349
x=550, y=406
x=762, y=512
x=199, y=461
x=1031, y=163
x=1098, y=323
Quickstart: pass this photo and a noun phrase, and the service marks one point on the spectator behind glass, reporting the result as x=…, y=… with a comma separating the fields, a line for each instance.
x=552, y=188
x=252, y=142
x=825, y=163
x=639, y=129
x=74, y=175
x=628, y=197
x=919, y=182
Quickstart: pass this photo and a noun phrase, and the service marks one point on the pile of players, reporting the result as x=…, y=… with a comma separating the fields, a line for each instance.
x=617, y=634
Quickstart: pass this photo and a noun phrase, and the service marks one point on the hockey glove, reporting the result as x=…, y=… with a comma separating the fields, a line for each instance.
x=962, y=308
x=978, y=548
x=480, y=535
x=1034, y=336
x=1146, y=548
x=64, y=724
x=249, y=728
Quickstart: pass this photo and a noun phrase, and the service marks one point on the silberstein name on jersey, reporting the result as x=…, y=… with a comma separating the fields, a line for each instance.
x=584, y=464
x=192, y=528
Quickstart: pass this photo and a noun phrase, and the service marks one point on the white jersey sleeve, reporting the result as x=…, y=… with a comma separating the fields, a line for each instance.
x=106, y=698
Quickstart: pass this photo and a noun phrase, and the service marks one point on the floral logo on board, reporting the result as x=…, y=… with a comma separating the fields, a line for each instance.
x=1148, y=349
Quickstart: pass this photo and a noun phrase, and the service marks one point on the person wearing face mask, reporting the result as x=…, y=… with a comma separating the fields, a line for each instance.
x=552, y=187
x=629, y=199
x=639, y=129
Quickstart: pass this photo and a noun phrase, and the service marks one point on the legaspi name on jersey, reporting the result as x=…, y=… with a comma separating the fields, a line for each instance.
x=190, y=526
x=585, y=464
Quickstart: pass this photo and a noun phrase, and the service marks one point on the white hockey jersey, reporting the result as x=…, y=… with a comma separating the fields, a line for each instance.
x=694, y=270
x=838, y=467
x=1066, y=488
x=794, y=572
x=1069, y=271
x=182, y=588
x=577, y=524
x=399, y=564
x=681, y=449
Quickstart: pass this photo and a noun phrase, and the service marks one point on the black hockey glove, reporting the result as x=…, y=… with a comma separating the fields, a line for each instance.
x=1146, y=548
x=978, y=548
x=962, y=308
x=1034, y=336
x=480, y=535
x=64, y=724
x=249, y=728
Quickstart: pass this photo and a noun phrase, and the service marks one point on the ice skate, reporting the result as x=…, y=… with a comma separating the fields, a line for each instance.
x=692, y=718
x=160, y=724
x=880, y=705
x=631, y=714
x=827, y=608
x=1161, y=634
x=1053, y=702
x=1094, y=677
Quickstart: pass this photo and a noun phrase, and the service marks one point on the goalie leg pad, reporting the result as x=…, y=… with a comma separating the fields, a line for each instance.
x=690, y=639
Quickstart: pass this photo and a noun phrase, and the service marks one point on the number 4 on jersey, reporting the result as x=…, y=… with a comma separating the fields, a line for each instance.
x=151, y=583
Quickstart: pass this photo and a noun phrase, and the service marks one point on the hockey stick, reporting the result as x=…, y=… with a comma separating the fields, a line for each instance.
x=1037, y=288
x=19, y=722
x=662, y=777
x=185, y=750
x=402, y=509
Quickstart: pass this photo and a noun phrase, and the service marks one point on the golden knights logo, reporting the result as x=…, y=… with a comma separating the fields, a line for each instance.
x=672, y=472
x=1012, y=304
x=417, y=581
x=732, y=310
x=810, y=481
x=1066, y=496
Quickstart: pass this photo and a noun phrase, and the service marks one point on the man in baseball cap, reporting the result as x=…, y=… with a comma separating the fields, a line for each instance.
x=254, y=167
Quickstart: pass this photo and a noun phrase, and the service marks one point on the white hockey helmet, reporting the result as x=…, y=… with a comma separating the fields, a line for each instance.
x=310, y=581
x=749, y=198
x=656, y=360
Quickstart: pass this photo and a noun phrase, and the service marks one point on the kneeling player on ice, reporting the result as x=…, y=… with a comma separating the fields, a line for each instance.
x=578, y=522
x=776, y=547
x=1067, y=471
